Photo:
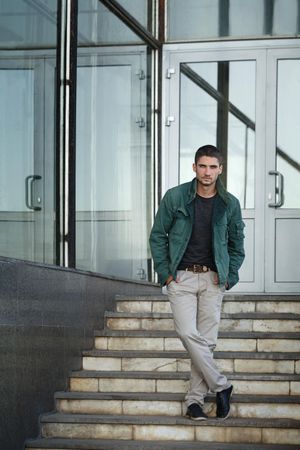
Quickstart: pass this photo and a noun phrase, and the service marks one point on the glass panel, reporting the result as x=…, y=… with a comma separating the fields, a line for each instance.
x=113, y=166
x=239, y=10
x=27, y=109
x=217, y=106
x=98, y=26
x=25, y=24
x=138, y=9
x=198, y=19
x=286, y=17
x=288, y=132
x=192, y=19
x=17, y=161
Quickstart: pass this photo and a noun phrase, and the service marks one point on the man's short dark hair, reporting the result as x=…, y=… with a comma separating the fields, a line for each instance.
x=208, y=150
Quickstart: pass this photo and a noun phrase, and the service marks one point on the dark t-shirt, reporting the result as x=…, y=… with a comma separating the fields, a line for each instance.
x=199, y=249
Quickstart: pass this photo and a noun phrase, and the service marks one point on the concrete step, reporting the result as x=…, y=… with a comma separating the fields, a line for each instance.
x=257, y=322
x=113, y=444
x=228, y=341
x=255, y=384
x=147, y=428
x=231, y=304
x=172, y=404
x=172, y=361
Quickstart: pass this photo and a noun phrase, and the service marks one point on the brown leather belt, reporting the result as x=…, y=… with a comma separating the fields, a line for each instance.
x=197, y=268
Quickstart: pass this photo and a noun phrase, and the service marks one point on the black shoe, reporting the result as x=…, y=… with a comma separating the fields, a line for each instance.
x=223, y=403
x=195, y=412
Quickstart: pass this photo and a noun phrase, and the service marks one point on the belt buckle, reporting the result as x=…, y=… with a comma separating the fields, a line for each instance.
x=197, y=268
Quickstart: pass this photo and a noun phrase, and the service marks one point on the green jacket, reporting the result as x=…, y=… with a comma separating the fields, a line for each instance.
x=173, y=225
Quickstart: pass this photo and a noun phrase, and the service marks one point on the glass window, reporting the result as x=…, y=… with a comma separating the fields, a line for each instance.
x=204, y=19
x=246, y=18
x=217, y=106
x=27, y=140
x=286, y=20
x=139, y=9
x=113, y=150
x=98, y=26
x=27, y=24
x=288, y=133
x=192, y=19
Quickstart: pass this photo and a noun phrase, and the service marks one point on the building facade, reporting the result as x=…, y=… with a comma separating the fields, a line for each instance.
x=103, y=106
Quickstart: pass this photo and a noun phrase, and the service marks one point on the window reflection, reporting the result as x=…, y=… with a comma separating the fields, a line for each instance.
x=288, y=132
x=218, y=107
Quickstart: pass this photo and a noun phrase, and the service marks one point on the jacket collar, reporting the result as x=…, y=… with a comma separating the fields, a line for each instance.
x=220, y=189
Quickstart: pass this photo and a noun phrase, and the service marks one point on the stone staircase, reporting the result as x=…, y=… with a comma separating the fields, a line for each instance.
x=129, y=393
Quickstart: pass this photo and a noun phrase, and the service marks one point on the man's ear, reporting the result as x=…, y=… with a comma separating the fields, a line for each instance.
x=220, y=169
x=194, y=167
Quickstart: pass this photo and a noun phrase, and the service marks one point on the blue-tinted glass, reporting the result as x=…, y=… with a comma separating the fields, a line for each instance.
x=202, y=100
x=288, y=133
x=286, y=17
x=138, y=9
x=113, y=179
x=27, y=137
x=27, y=24
x=97, y=25
x=204, y=19
x=192, y=19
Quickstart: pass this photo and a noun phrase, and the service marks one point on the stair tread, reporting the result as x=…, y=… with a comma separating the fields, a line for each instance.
x=180, y=375
x=167, y=420
x=248, y=315
x=97, y=444
x=162, y=396
x=107, y=332
x=183, y=354
x=227, y=297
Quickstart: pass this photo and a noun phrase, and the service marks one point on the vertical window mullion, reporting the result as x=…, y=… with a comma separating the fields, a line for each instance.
x=66, y=131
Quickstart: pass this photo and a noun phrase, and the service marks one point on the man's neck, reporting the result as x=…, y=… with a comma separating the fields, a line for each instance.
x=206, y=191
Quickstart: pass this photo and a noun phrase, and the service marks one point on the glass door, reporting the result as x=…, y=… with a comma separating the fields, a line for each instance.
x=246, y=102
x=27, y=211
x=218, y=103
x=113, y=184
x=283, y=175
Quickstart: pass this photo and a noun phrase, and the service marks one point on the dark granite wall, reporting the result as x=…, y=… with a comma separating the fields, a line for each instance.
x=47, y=317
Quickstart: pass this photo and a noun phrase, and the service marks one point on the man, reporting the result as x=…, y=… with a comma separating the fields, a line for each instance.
x=197, y=247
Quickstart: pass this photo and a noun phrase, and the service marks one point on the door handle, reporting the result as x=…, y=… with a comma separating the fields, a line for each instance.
x=279, y=195
x=29, y=192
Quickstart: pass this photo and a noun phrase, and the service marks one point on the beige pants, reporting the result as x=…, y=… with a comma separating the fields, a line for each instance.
x=196, y=305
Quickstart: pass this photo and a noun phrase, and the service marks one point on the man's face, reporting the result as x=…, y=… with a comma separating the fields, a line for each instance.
x=207, y=170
